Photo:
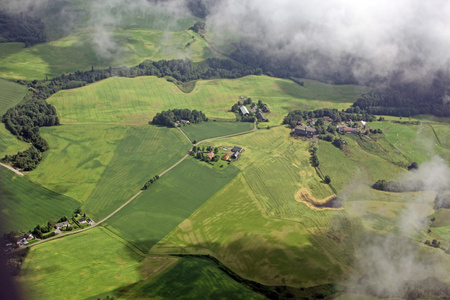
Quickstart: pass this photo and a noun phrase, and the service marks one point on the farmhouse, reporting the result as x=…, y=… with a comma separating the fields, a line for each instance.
x=226, y=156
x=61, y=225
x=184, y=122
x=235, y=154
x=327, y=118
x=265, y=109
x=236, y=149
x=23, y=239
x=312, y=122
x=210, y=155
x=260, y=116
x=254, y=107
x=90, y=221
x=348, y=130
x=244, y=111
x=305, y=131
x=82, y=221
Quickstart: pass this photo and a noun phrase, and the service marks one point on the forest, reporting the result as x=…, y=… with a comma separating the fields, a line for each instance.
x=22, y=28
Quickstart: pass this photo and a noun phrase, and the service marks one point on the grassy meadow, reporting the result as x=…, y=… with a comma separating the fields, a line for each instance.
x=137, y=100
x=105, y=165
x=212, y=129
x=169, y=201
x=12, y=94
x=26, y=204
x=80, y=266
x=417, y=142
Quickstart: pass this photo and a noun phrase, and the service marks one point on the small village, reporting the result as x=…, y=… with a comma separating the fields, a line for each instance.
x=306, y=128
x=77, y=222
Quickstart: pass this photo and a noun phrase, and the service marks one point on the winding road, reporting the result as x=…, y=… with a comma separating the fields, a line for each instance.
x=132, y=198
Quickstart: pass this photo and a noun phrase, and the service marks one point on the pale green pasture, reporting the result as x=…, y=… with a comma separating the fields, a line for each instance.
x=135, y=101
x=78, y=52
x=416, y=142
x=79, y=266
x=103, y=166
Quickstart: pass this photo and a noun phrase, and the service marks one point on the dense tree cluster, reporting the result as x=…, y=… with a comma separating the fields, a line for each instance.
x=26, y=160
x=150, y=182
x=398, y=187
x=354, y=114
x=314, y=159
x=170, y=117
x=22, y=28
x=198, y=27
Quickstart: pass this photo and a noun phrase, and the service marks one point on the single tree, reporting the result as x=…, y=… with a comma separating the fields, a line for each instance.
x=327, y=179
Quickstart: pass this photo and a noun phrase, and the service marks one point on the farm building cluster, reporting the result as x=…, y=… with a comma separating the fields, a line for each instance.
x=249, y=110
x=306, y=129
x=214, y=155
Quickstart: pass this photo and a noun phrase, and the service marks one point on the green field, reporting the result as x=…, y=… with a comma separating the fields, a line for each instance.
x=135, y=101
x=79, y=266
x=205, y=130
x=106, y=165
x=256, y=226
x=11, y=95
x=76, y=52
x=25, y=204
x=417, y=142
x=140, y=32
x=193, y=278
x=169, y=201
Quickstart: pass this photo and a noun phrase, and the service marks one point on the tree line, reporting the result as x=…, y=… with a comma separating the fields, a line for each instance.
x=170, y=117
x=399, y=187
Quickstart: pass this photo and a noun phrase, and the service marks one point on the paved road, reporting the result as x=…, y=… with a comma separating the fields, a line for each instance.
x=132, y=198
x=12, y=169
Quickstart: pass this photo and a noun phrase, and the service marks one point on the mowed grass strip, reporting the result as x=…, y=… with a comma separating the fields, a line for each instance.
x=137, y=100
x=169, y=201
x=194, y=278
x=25, y=205
x=212, y=129
x=79, y=266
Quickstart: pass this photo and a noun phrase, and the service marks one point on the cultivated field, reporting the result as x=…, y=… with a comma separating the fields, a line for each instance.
x=212, y=129
x=169, y=201
x=105, y=165
x=80, y=266
x=256, y=218
x=135, y=101
x=25, y=204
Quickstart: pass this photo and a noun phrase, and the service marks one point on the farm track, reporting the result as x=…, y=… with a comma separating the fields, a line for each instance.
x=132, y=198
x=12, y=169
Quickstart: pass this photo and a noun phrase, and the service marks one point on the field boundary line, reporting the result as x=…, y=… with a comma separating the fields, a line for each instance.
x=12, y=169
x=121, y=240
x=184, y=134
